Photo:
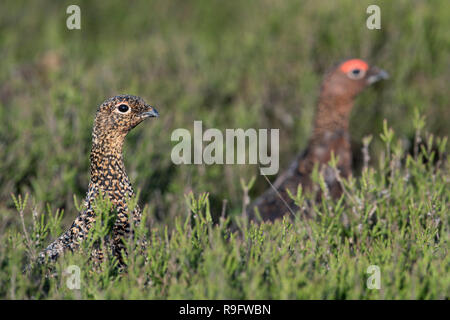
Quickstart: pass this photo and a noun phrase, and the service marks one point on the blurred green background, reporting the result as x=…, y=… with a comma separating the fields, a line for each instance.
x=231, y=64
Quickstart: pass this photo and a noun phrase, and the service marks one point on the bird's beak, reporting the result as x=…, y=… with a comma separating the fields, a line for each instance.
x=152, y=112
x=376, y=74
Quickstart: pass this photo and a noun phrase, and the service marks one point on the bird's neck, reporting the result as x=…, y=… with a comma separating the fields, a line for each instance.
x=330, y=133
x=332, y=116
x=107, y=167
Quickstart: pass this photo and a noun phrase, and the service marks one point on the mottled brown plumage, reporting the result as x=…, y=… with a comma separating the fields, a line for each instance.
x=114, y=119
x=338, y=91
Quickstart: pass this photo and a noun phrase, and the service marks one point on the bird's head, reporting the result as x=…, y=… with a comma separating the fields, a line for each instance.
x=350, y=77
x=118, y=115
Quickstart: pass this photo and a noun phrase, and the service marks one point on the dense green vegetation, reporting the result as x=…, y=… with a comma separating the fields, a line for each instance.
x=231, y=64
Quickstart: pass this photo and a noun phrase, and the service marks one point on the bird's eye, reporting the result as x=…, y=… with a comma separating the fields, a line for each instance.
x=356, y=73
x=123, y=108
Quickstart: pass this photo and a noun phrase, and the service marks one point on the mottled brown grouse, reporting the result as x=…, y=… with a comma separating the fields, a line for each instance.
x=338, y=91
x=114, y=119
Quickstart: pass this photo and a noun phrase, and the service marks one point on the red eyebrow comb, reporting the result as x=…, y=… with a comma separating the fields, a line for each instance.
x=354, y=64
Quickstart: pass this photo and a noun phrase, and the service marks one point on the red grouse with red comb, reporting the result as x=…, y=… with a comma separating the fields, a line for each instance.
x=338, y=91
